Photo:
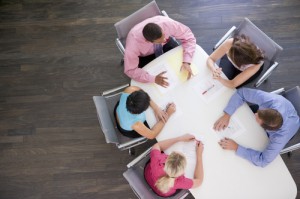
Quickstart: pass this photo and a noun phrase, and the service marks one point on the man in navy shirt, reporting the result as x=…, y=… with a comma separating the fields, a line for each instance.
x=276, y=115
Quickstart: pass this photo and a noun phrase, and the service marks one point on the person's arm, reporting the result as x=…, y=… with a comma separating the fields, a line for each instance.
x=240, y=78
x=165, y=144
x=140, y=128
x=159, y=113
x=237, y=99
x=198, y=173
x=184, y=34
x=216, y=55
x=131, y=62
x=265, y=157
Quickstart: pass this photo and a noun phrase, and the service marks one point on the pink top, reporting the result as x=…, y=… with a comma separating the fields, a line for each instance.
x=136, y=45
x=155, y=169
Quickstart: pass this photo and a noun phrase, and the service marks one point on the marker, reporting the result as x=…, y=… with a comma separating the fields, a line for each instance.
x=208, y=89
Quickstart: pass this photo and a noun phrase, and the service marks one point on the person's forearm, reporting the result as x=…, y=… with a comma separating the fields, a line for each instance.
x=227, y=83
x=165, y=144
x=153, y=105
x=198, y=174
x=210, y=63
x=156, y=129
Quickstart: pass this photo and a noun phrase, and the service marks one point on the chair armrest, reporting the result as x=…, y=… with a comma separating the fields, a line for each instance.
x=114, y=90
x=278, y=91
x=226, y=36
x=266, y=75
x=164, y=13
x=132, y=143
x=290, y=149
x=139, y=158
x=120, y=46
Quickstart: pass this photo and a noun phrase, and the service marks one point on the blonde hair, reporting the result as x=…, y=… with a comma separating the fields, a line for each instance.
x=174, y=167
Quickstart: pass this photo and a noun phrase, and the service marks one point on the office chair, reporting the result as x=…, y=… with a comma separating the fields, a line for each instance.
x=105, y=111
x=126, y=24
x=293, y=95
x=270, y=48
x=135, y=177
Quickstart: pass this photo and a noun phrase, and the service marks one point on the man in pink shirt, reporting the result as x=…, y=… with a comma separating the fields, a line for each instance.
x=141, y=41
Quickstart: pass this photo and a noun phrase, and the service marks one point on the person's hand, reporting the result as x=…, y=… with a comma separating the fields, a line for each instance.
x=187, y=67
x=222, y=122
x=187, y=137
x=161, y=80
x=160, y=115
x=217, y=72
x=199, y=148
x=228, y=144
x=170, y=109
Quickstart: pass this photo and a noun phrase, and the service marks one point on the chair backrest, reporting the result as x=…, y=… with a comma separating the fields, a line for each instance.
x=135, y=177
x=104, y=107
x=293, y=95
x=265, y=43
x=126, y=24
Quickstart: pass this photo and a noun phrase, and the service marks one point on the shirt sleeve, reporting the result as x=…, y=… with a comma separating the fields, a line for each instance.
x=263, y=158
x=183, y=183
x=243, y=95
x=157, y=158
x=185, y=36
x=131, y=62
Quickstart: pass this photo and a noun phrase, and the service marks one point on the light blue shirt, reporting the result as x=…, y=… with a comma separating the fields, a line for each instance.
x=126, y=118
x=277, y=139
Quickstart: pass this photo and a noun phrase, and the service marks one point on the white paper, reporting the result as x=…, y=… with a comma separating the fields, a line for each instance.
x=172, y=78
x=208, y=89
x=234, y=129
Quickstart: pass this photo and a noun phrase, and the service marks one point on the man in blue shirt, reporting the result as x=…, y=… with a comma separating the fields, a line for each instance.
x=276, y=115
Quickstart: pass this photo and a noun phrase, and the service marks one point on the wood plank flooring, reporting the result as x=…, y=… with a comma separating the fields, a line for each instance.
x=55, y=55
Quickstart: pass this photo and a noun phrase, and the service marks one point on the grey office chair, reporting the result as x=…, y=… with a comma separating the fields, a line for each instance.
x=293, y=95
x=135, y=177
x=105, y=107
x=126, y=24
x=270, y=48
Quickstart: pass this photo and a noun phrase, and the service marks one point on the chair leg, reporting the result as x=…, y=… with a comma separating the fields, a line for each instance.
x=131, y=151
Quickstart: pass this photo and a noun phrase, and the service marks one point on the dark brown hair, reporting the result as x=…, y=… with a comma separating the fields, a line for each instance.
x=244, y=52
x=152, y=32
x=271, y=118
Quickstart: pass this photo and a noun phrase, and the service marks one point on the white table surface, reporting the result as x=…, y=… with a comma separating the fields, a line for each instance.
x=226, y=176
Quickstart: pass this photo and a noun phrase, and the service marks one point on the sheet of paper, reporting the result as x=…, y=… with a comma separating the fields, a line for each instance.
x=176, y=64
x=208, y=89
x=172, y=79
x=234, y=129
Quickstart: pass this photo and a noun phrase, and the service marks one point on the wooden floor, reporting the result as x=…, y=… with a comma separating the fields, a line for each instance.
x=56, y=54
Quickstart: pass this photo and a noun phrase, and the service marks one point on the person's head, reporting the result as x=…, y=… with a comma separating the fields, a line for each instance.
x=137, y=102
x=269, y=119
x=174, y=167
x=153, y=33
x=244, y=52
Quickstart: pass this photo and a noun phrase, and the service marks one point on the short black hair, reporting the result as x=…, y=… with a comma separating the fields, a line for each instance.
x=152, y=32
x=137, y=102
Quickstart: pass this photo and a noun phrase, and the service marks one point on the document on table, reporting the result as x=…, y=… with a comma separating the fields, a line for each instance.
x=176, y=64
x=208, y=89
x=171, y=77
x=234, y=129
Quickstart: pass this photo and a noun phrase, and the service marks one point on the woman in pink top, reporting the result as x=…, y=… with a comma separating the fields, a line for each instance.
x=242, y=61
x=165, y=174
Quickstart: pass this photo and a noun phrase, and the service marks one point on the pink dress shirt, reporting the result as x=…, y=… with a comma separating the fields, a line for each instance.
x=136, y=45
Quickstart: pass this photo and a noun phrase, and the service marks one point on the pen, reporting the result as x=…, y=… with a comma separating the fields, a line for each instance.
x=208, y=89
